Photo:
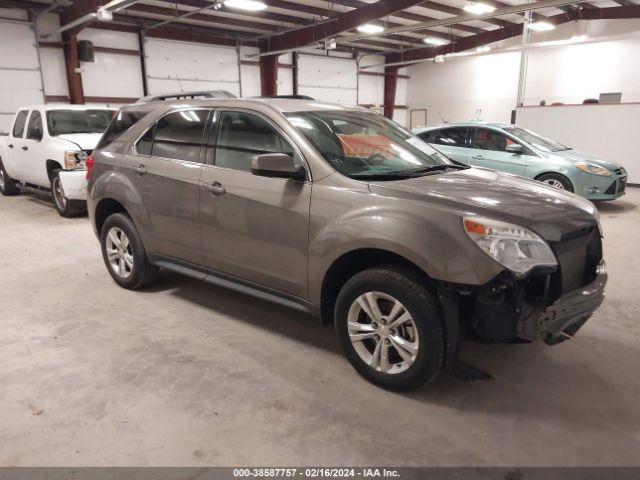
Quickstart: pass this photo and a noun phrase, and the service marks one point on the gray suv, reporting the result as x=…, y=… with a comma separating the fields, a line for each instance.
x=342, y=213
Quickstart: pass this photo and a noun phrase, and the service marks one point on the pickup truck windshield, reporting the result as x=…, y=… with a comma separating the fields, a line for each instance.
x=364, y=145
x=61, y=122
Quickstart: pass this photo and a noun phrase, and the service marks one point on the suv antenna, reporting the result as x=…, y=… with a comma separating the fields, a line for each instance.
x=179, y=84
x=442, y=118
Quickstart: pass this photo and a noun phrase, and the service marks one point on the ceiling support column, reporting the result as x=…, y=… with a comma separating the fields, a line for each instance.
x=390, y=87
x=72, y=66
x=269, y=75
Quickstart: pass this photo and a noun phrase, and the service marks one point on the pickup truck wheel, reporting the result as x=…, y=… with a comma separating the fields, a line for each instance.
x=391, y=328
x=124, y=254
x=8, y=186
x=65, y=207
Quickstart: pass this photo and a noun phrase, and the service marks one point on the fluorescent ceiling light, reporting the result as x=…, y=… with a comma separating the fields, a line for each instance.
x=483, y=49
x=479, y=8
x=435, y=41
x=578, y=38
x=370, y=28
x=252, y=5
x=541, y=26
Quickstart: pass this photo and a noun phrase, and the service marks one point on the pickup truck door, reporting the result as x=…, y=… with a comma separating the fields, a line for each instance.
x=15, y=141
x=33, y=152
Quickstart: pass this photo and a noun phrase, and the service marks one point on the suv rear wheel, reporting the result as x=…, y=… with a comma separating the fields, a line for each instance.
x=124, y=254
x=8, y=186
x=391, y=328
x=65, y=207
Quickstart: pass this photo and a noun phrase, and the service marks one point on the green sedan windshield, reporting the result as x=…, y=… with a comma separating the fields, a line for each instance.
x=366, y=145
x=536, y=140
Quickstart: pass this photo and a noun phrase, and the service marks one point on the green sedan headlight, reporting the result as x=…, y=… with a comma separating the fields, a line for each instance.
x=593, y=168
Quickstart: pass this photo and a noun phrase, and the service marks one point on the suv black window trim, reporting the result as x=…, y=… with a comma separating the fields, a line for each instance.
x=215, y=130
x=134, y=146
x=21, y=119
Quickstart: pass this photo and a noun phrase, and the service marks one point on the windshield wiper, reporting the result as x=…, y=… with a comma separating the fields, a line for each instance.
x=407, y=173
x=437, y=168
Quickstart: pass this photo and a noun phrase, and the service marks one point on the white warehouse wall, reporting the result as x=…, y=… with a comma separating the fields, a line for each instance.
x=456, y=89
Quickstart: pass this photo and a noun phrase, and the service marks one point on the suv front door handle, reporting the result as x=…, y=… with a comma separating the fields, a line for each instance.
x=140, y=169
x=216, y=188
x=11, y=145
x=25, y=148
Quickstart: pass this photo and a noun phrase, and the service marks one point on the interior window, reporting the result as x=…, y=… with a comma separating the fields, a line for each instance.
x=180, y=135
x=452, y=137
x=18, y=126
x=487, y=139
x=241, y=136
x=34, y=131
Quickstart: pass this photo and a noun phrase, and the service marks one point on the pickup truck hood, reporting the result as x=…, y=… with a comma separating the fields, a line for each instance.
x=478, y=191
x=85, y=141
x=577, y=156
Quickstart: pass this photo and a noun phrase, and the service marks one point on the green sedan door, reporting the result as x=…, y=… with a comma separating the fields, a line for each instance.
x=493, y=149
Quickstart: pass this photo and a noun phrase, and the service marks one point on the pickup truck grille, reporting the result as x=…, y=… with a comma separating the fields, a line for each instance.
x=579, y=253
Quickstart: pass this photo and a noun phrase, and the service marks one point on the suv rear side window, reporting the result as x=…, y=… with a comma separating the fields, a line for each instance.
x=121, y=122
x=241, y=136
x=452, y=137
x=487, y=139
x=18, y=126
x=178, y=135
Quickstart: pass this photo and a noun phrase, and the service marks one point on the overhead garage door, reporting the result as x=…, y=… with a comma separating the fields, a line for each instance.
x=328, y=79
x=20, y=80
x=174, y=66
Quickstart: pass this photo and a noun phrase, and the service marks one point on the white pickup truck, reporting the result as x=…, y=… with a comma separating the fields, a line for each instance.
x=46, y=151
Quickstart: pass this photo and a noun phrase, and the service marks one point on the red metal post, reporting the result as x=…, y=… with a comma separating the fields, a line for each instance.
x=74, y=79
x=269, y=75
x=390, y=87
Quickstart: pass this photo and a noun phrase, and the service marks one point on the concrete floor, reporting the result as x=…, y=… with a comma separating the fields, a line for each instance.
x=188, y=374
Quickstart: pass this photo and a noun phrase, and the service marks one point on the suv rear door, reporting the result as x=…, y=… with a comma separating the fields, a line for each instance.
x=165, y=168
x=451, y=141
x=254, y=228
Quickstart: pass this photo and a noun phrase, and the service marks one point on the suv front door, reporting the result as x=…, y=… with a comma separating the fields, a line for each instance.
x=165, y=169
x=254, y=228
x=490, y=151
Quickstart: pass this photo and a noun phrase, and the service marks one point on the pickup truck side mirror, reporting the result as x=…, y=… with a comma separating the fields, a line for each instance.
x=277, y=165
x=515, y=148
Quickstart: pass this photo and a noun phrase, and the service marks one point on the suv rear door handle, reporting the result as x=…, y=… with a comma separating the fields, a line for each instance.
x=216, y=188
x=11, y=145
x=25, y=148
x=140, y=169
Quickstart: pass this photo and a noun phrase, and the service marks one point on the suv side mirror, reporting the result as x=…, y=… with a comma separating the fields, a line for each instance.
x=515, y=148
x=278, y=165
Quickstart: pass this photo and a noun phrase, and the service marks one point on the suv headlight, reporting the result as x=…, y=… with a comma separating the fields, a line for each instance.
x=74, y=160
x=593, y=168
x=515, y=247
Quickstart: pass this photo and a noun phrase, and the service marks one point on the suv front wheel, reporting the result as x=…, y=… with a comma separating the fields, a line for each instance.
x=124, y=254
x=391, y=328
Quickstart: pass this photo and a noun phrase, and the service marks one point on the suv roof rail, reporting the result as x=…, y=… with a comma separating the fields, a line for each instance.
x=290, y=97
x=187, y=96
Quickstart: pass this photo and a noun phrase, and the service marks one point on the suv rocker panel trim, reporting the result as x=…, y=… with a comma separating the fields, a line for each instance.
x=233, y=283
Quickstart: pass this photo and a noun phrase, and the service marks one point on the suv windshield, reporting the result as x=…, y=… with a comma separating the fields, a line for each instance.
x=368, y=146
x=536, y=140
x=62, y=122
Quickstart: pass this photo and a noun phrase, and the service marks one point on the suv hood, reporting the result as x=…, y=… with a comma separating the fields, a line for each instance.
x=547, y=211
x=85, y=141
x=574, y=156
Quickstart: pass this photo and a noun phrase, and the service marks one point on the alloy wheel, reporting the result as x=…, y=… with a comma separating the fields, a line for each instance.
x=552, y=182
x=119, y=252
x=383, y=332
x=58, y=194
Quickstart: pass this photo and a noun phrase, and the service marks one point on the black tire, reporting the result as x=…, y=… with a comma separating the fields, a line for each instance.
x=408, y=288
x=142, y=272
x=65, y=207
x=8, y=186
x=557, y=180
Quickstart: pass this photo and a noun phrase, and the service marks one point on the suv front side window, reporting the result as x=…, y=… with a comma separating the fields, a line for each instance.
x=178, y=135
x=241, y=136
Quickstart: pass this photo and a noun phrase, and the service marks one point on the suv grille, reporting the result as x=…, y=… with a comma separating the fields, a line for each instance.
x=579, y=254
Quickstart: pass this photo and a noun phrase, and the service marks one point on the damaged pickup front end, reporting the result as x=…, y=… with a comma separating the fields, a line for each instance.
x=548, y=290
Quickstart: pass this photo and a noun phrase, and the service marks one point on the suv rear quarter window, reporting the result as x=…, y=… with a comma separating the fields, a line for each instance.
x=18, y=126
x=121, y=122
